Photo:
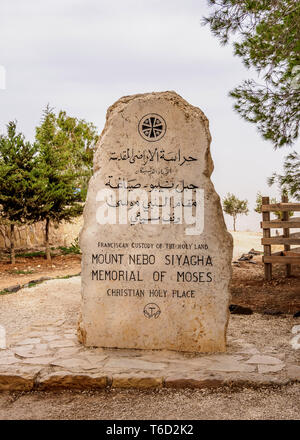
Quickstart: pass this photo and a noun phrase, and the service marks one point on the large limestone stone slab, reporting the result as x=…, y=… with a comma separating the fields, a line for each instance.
x=159, y=281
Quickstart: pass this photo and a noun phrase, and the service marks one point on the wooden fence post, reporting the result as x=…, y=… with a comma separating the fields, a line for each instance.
x=267, y=234
x=286, y=234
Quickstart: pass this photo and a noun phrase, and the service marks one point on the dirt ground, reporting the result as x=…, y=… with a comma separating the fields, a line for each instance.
x=249, y=404
x=32, y=268
x=249, y=289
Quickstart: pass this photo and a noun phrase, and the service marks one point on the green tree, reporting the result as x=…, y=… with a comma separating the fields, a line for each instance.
x=273, y=200
x=80, y=138
x=234, y=207
x=290, y=180
x=18, y=185
x=268, y=40
x=65, y=147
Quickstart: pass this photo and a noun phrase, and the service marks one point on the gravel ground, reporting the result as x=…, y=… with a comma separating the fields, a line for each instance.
x=225, y=404
x=49, y=301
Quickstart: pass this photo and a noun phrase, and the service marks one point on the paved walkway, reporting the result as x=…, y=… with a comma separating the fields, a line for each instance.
x=47, y=355
x=53, y=358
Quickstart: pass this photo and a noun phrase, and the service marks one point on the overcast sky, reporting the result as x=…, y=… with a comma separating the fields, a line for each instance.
x=83, y=55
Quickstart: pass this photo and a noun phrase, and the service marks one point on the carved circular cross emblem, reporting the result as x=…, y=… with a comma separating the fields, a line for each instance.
x=152, y=127
x=152, y=311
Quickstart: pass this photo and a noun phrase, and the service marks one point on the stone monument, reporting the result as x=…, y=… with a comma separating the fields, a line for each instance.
x=156, y=255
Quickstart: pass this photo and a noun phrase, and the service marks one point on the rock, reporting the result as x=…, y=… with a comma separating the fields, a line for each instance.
x=41, y=360
x=263, y=359
x=229, y=366
x=136, y=381
x=270, y=368
x=29, y=341
x=36, y=334
x=95, y=361
x=63, y=343
x=73, y=364
x=32, y=351
x=72, y=337
x=240, y=310
x=51, y=338
x=248, y=350
x=45, y=279
x=272, y=312
x=193, y=381
x=69, y=351
x=12, y=289
x=19, y=382
x=135, y=292
x=125, y=364
x=69, y=380
x=293, y=372
x=253, y=252
x=70, y=332
x=7, y=359
x=245, y=257
x=296, y=329
x=36, y=281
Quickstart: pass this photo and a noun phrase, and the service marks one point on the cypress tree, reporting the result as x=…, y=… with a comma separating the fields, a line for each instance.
x=60, y=142
x=18, y=184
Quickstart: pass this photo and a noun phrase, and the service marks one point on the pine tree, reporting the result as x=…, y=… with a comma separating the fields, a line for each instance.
x=273, y=200
x=80, y=137
x=267, y=38
x=61, y=143
x=233, y=207
x=18, y=185
x=290, y=180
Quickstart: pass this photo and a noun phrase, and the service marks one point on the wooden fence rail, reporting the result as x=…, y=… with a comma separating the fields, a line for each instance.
x=287, y=256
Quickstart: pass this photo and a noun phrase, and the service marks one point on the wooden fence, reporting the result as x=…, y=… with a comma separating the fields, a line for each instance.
x=287, y=256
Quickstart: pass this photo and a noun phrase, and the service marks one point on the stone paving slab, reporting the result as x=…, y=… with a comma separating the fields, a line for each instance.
x=50, y=357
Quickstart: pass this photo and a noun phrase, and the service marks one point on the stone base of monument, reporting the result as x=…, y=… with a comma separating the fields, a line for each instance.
x=49, y=357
